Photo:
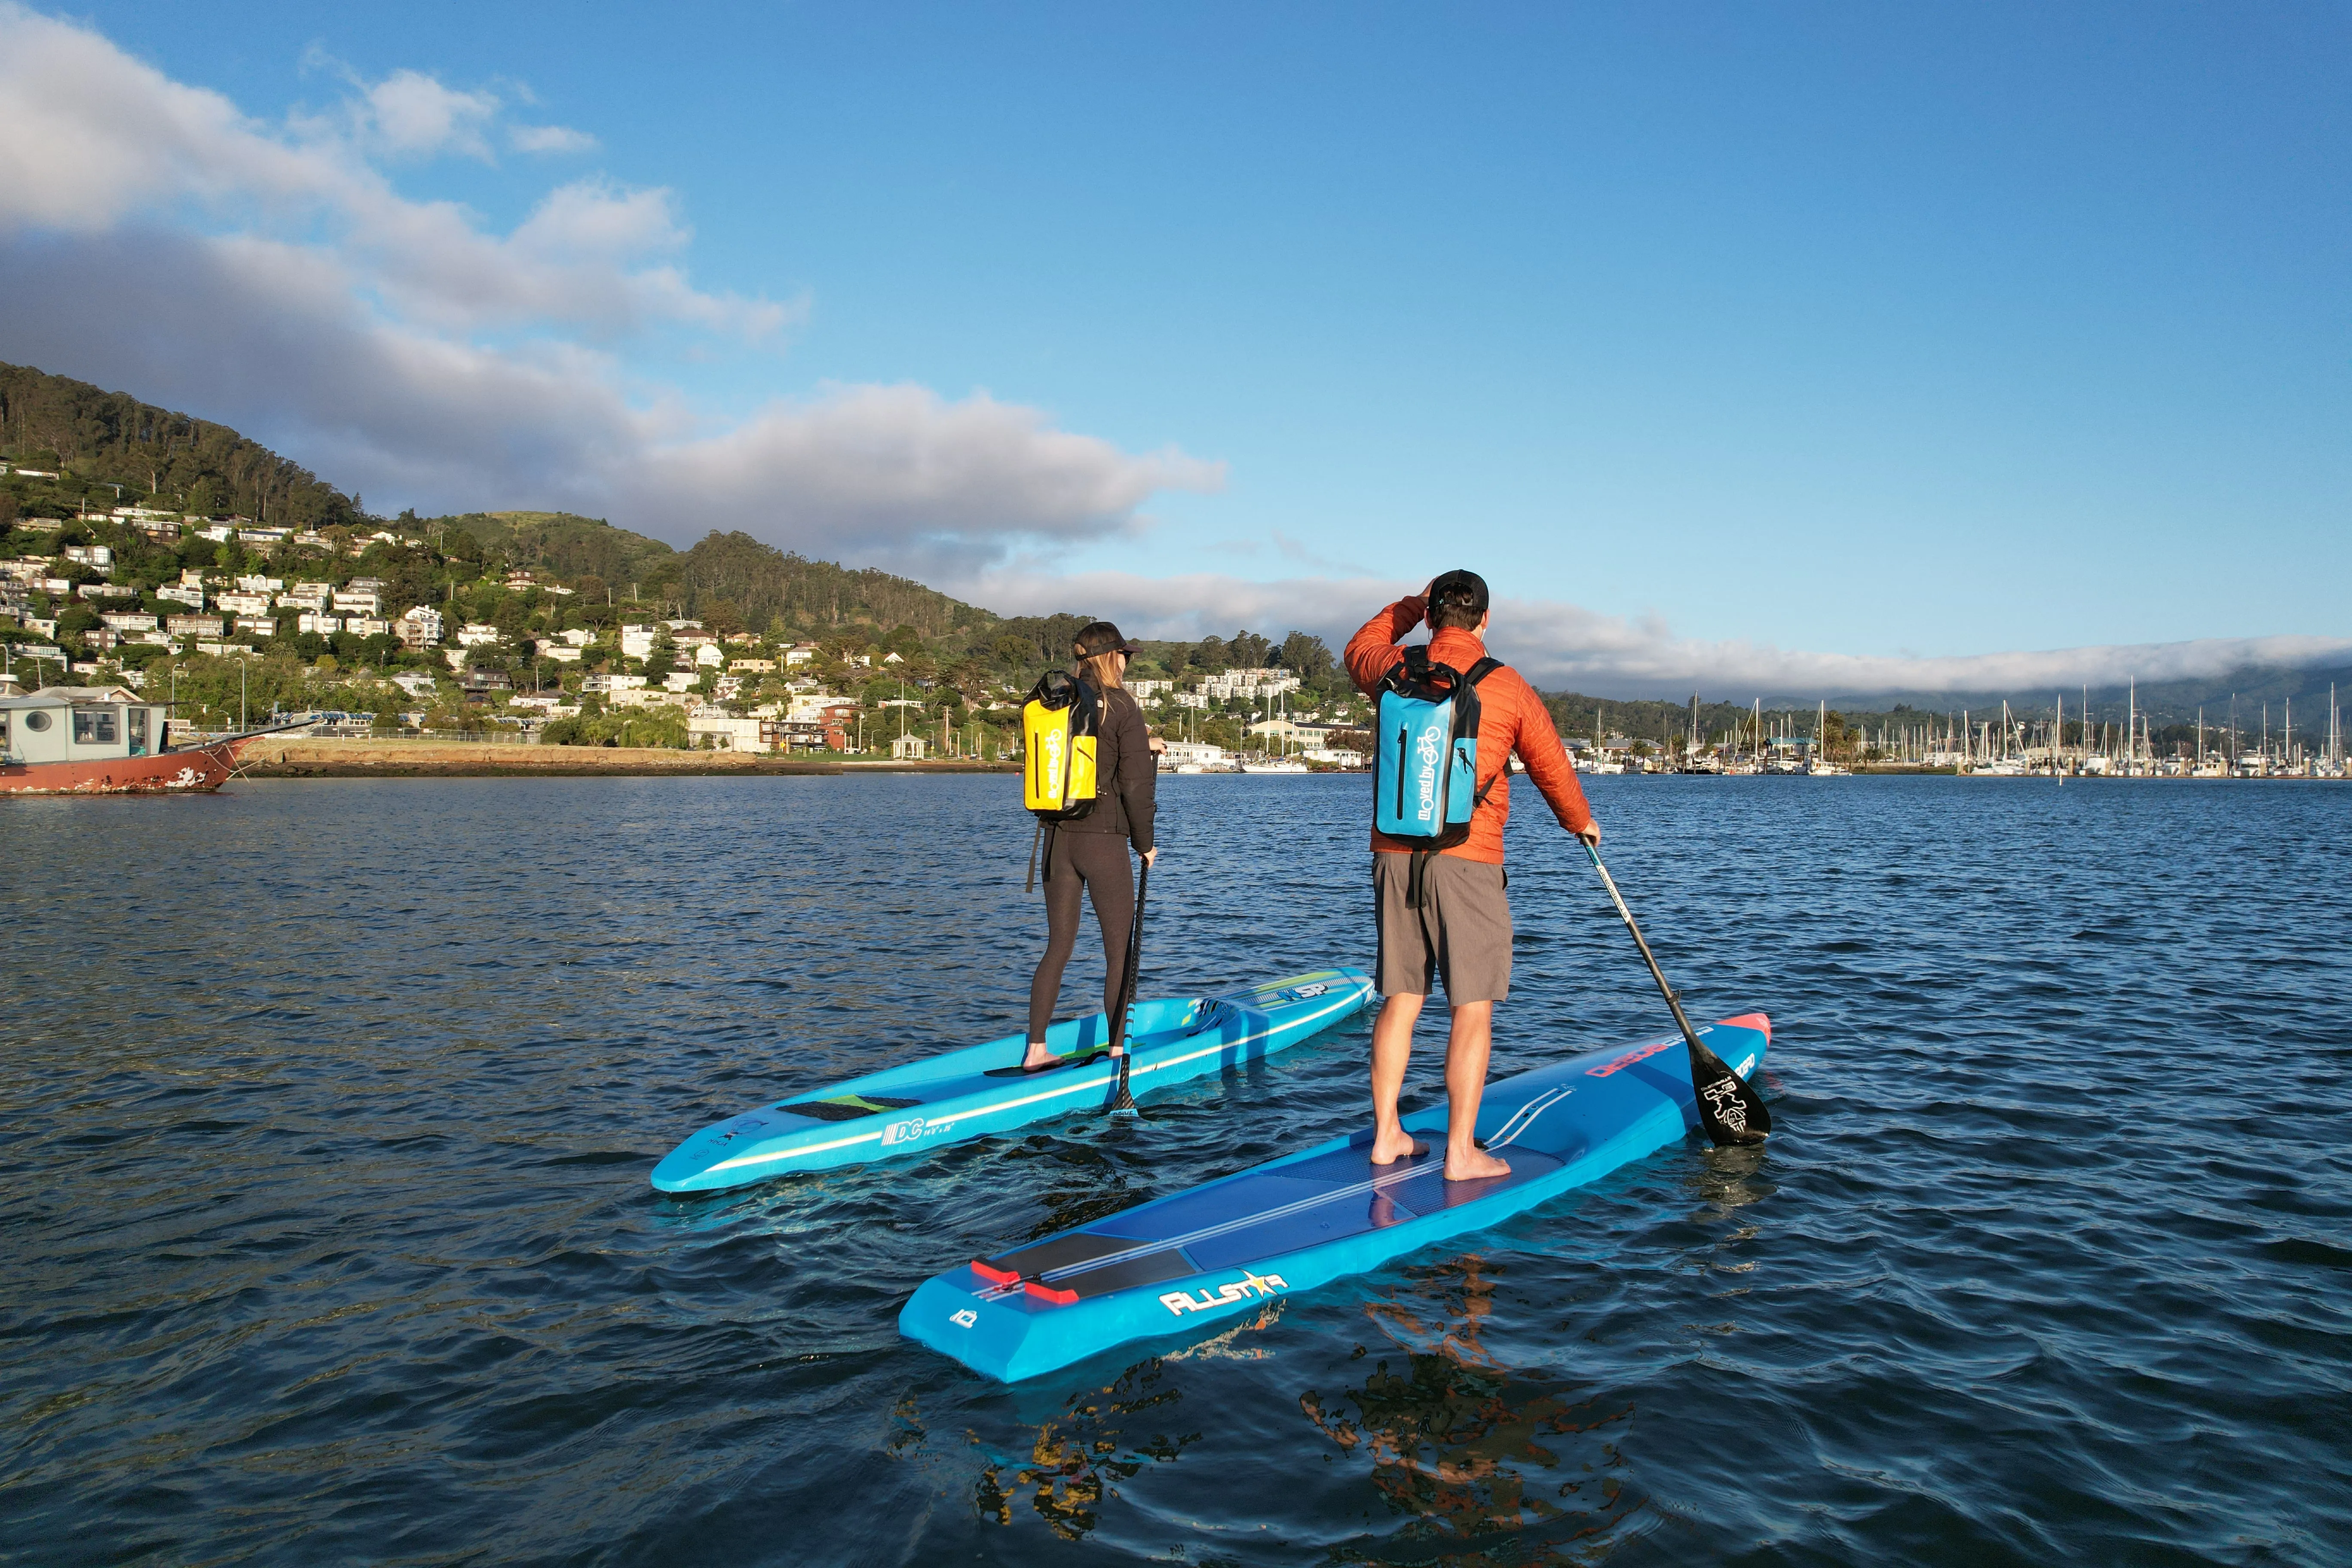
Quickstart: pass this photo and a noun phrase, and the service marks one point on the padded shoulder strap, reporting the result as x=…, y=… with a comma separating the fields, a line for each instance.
x=1481, y=670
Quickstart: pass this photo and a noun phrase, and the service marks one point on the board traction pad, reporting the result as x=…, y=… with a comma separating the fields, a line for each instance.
x=847, y=1107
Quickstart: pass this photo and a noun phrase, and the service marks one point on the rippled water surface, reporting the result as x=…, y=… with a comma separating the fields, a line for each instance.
x=329, y=1110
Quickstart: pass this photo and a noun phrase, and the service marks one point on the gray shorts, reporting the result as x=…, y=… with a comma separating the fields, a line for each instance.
x=1462, y=933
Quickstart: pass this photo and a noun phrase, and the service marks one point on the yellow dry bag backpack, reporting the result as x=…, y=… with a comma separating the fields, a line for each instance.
x=1058, y=728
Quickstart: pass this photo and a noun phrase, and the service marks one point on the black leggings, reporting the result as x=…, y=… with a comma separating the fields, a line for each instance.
x=1097, y=864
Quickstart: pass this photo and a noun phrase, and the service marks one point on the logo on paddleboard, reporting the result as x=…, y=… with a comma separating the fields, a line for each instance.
x=1638, y=1054
x=1249, y=1285
x=965, y=1319
x=914, y=1129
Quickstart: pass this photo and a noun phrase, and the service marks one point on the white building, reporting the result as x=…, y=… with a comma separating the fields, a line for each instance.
x=365, y=601
x=130, y=620
x=477, y=634
x=420, y=626
x=367, y=626
x=311, y=621
x=244, y=603
x=719, y=733
x=1255, y=682
x=637, y=642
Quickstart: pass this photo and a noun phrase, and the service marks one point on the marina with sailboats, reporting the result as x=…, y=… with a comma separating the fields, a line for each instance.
x=2251, y=739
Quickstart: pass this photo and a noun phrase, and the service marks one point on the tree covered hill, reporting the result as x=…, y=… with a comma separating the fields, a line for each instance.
x=97, y=440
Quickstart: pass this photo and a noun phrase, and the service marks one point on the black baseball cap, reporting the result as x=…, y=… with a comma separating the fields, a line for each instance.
x=1459, y=587
x=1101, y=637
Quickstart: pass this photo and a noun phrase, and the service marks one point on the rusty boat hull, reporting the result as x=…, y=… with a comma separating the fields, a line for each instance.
x=195, y=770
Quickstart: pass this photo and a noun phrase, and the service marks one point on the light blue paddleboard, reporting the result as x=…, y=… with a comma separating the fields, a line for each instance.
x=981, y=1089
x=1301, y=1221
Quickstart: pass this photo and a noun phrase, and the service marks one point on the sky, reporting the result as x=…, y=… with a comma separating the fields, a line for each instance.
x=1750, y=347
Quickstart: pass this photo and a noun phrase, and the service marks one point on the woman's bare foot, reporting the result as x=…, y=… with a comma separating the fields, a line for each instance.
x=1475, y=1165
x=1038, y=1056
x=1388, y=1151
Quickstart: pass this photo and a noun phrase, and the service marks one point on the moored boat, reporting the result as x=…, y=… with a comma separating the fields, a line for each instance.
x=104, y=739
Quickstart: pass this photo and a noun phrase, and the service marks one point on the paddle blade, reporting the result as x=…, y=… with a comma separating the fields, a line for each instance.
x=1123, y=1105
x=1730, y=1111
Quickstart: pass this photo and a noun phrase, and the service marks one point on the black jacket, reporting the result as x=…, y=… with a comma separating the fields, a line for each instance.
x=1126, y=774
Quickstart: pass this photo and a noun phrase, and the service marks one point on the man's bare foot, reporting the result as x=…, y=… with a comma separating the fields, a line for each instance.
x=1475, y=1165
x=1388, y=1151
x=1039, y=1056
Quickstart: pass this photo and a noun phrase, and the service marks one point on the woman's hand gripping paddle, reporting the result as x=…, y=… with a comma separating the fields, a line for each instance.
x=1124, y=1104
x=1729, y=1109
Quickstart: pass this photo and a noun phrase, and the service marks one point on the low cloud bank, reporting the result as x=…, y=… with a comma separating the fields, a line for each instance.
x=1564, y=646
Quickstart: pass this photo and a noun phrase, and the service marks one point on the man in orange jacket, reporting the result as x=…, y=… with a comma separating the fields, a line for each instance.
x=1458, y=923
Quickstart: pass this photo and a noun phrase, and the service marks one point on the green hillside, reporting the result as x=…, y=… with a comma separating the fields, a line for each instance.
x=99, y=440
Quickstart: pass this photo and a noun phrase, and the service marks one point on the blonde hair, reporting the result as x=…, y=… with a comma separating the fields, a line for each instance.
x=1102, y=670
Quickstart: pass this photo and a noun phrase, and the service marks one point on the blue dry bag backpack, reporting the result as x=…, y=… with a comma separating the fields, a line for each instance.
x=1426, y=750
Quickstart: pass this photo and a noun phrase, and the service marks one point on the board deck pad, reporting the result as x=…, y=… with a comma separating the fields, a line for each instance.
x=1309, y=1217
x=848, y=1107
x=983, y=1090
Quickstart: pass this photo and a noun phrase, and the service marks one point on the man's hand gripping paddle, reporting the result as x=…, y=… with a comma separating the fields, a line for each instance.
x=1729, y=1109
x=1123, y=1106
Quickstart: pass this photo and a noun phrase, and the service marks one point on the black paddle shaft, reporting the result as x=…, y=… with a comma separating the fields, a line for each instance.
x=1729, y=1109
x=1124, y=1105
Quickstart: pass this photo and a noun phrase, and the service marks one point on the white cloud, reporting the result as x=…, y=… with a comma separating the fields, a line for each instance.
x=549, y=139
x=411, y=114
x=155, y=238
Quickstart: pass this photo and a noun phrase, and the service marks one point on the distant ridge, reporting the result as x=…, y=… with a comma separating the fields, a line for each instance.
x=196, y=464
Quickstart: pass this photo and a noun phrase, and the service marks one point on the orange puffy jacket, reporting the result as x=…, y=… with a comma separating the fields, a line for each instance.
x=1511, y=718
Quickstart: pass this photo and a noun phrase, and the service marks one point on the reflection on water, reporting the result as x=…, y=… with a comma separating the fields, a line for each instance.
x=1075, y=1460
x=1484, y=1464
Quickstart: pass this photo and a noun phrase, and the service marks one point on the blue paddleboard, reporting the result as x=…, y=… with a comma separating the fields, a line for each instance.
x=981, y=1089
x=1309, y=1218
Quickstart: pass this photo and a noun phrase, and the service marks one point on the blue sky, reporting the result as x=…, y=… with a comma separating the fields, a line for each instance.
x=1713, y=333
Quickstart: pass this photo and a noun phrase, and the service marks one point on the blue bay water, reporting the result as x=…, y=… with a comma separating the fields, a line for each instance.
x=329, y=1110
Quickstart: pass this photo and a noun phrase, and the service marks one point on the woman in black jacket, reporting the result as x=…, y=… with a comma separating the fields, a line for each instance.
x=1089, y=853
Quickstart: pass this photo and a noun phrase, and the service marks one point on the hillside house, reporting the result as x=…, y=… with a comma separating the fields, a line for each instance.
x=419, y=626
